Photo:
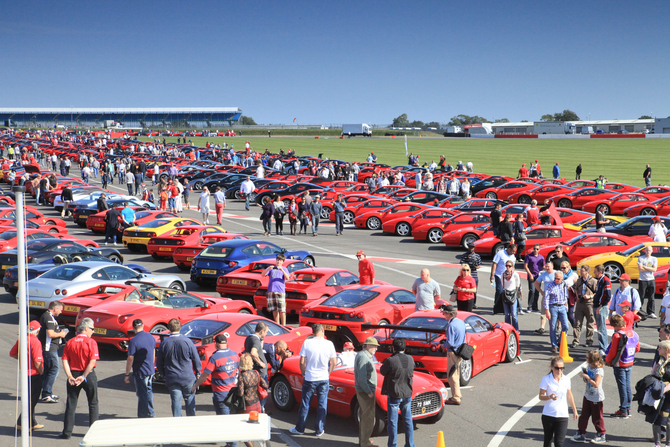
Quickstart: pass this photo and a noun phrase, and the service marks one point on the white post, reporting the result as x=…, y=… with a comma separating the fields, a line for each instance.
x=26, y=422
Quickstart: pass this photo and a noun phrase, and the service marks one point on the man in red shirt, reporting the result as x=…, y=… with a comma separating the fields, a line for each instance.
x=79, y=359
x=366, y=271
x=35, y=371
x=523, y=172
x=174, y=192
x=533, y=214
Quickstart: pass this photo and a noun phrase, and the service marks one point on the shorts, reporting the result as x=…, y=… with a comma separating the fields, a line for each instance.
x=276, y=301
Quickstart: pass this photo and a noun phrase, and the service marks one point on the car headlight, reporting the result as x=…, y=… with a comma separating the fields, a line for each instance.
x=445, y=393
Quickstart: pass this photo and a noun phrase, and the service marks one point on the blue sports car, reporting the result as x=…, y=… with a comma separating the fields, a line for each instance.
x=227, y=256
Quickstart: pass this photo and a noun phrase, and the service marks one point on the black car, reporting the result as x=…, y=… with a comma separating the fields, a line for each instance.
x=233, y=192
x=292, y=190
x=80, y=213
x=637, y=226
x=490, y=182
x=225, y=182
x=478, y=205
x=427, y=197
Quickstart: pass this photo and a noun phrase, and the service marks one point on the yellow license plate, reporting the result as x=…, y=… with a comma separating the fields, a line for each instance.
x=190, y=258
x=136, y=241
x=100, y=331
x=72, y=309
x=209, y=272
x=329, y=327
x=165, y=249
x=239, y=282
x=37, y=303
x=99, y=225
x=5, y=267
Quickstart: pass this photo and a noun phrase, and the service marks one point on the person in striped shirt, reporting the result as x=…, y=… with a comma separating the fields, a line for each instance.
x=223, y=367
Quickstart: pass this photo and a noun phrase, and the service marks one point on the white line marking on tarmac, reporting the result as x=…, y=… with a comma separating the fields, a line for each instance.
x=284, y=437
x=516, y=417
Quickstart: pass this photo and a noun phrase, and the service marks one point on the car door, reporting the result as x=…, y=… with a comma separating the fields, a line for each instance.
x=593, y=245
x=120, y=274
x=487, y=341
x=402, y=303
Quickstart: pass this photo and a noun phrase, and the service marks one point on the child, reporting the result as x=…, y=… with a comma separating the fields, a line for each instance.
x=621, y=356
x=593, y=399
x=629, y=317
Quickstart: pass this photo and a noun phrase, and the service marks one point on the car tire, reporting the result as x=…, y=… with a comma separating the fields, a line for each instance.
x=604, y=208
x=160, y=327
x=512, y=348
x=183, y=267
x=403, y=229
x=435, y=236
x=176, y=285
x=325, y=212
x=524, y=199
x=197, y=186
x=648, y=212
x=436, y=418
x=238, y=194
x=244, y=310
x=465, y=372
x=374, y=223
x=469, y=238
x=496, y=248
x=155, y=256
x=53, y=230
x=565, y=203
x=613, y=270
x=348, y=217
x=50, y=222
x=379, y=425
x=491, y=195
x=310, y=260
x=115, y=258
x=383, y=322
x=282, y=394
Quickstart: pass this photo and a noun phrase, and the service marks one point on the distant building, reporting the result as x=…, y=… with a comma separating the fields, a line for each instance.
x=607, y=126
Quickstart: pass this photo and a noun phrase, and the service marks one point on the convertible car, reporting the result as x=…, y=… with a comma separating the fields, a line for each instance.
x=137, y=238
x=163, y=246
x=617, y=263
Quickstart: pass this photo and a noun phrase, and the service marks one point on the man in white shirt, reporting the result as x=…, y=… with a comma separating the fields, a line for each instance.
x=317, y=362
x=277, y=165
x=260, y=171
x=417, y=180
x=647, y=264
x=247, y=187
x=497, y=269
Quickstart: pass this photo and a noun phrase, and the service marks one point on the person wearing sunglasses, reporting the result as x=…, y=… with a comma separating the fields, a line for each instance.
x=465, y=288
x=534, y=265
x=556, y=394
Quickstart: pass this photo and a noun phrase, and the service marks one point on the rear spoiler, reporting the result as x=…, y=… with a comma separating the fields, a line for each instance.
x=203, y=341
x=369, y=326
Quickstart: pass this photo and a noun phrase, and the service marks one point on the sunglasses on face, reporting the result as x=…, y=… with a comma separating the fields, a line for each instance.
x=559, y=368
x=509, y=266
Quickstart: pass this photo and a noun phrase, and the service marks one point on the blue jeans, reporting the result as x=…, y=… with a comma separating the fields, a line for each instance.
x=622, y=376
x=404, y=405
x=315, y=224
x=51, y=369
x=145, y=395
x=246, y=201
x=308, y=390
x=601, y=327
x=511, y=315
x=533, y=295
x=220, y=408
x=176, y=393
x=556, y=313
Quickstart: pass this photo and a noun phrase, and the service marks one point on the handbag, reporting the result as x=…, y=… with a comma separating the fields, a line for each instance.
x=235, y=401
x=453, y=296
x=510, y=296
x=465, y=351
x=262, y=392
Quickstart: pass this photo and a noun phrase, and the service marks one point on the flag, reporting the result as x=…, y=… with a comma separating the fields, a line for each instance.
x=294, y=119
x=406, y=152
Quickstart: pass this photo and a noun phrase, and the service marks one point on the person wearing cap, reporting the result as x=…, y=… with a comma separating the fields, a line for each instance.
x=398, y=372
x=34, y=370
x=80, y=357
x=474, y=261
x=427, y=291
x=366, y=270
x=50, y=336
x=223, y=367
x=523, y=171
x=102, y=202
x=555, y=303
x=621, y=356
x=365, y=383
x=454, y=338
x=347, y=356
x=315, y=209
x=624, y=293
x=556, y=171
x=647, y=265
x=141, y=350
x=657, y=230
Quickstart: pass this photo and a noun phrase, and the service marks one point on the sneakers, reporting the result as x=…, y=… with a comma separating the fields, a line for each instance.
x=578, y=438
x=621, y=414
x=600, y=439
x=294, y=431
x=589, y=342
x=521, y=312
x=652, y=316
x=540, y=331
x=318, y=435
x=575, y=344
x=51, y=399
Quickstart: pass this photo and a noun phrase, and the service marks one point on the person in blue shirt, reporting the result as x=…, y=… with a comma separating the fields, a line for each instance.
x=454, y=338
x=128, y=215
x=556, y=171
x=141, y=350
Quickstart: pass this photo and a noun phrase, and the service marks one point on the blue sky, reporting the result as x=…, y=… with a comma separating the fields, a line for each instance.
x=337, y=62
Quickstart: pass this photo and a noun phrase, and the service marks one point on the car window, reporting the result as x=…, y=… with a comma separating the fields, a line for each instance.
x=539, y=233
x=346, y=278
x=401, y=297
x=350, y=298
x=184, y=301
x=118, y=273
x=422, y=323
x=224, y=252
x=333, y=280
x=268, y=249
x=295, y=266
x=100, y=275
x=661, y=252
x=594, y=241
x=65, y=272
x=477, y=324
x=612, y=242
x=184, y=223
x=67, y=247
x=399, y=209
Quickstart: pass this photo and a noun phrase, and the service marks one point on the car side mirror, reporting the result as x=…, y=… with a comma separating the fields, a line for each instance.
x=283, y=250
x=497, y=326
x=206, y=305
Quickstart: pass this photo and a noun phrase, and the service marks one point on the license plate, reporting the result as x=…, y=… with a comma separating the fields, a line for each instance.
x=209, y=272
x=37, y=303
x=5, y=267
x=165, y=249
x=190, y=258
x=100, y=331
x=329, y=327
x=74, y=309
x=239, y=282
x=99, y=225
x=136, y=241
x=16, y=284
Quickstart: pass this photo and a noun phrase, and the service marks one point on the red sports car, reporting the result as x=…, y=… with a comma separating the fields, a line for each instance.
x=580, y=184
x=655, y=191
x=451, y=202
x=350, y=200
x=461, y=237
x=164, y=245
x=493, y=343
x=616, y=204
x=373, y=220
x=10, y=224
x=33, y=215
x=183, y=256
x=433, y=231
x=661, y=279
x=97, y=224
x=538, y=234
x=156, y=306
x=621, y=187
x=343, y=313
x=587, y=244
x=580, y=197
x=8, y=238
x=404, y=225
x=243, y=282
x=658, y=207
x=503, y=192
x=540, y=193
x=358, y=188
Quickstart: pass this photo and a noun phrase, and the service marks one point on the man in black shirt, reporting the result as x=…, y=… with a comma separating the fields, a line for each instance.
x=253, y=344
x=647, y=176
x=398, y=371
x=102, y=202
x=67, y=198
x=44, y=187
x=559, y=258
x=112, y=218
x=496, y=217
x=50, y=336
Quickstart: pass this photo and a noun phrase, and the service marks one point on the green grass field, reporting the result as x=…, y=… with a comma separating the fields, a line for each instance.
x=620, y=160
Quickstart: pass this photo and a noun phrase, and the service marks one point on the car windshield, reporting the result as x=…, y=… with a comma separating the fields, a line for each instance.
x=306, y=277
x=36, y=245
x=217, y=252
x=350, y=298
x=185, y=231
x=202, y=328
x=632, y=250
x=260, y=266
x=575, y=239
x=583, y=221
x=422, y=323
x=155, y=223
x=142, y=214
x=65, y=272
x=625, y=223
x=8, y=235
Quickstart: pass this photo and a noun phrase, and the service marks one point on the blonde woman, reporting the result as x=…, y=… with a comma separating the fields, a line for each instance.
x=248, y=382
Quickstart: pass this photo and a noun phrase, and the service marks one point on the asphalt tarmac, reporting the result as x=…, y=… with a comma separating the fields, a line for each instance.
x=500, y=407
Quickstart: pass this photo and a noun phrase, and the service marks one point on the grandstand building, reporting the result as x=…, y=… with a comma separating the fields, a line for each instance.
x=176, y=118
x=607, y=126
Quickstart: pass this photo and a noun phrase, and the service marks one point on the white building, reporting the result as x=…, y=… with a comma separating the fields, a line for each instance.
x=607, y=126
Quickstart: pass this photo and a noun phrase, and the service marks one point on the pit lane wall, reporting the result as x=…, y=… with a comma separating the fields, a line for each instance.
x=574, y=137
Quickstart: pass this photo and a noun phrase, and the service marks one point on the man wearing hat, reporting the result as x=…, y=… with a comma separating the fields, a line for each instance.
x=35, y=371
x=365, y=382
x=222, y=366
x=624, y=293
x=398, y=372
x=454, y=338
x=523, y=172
x=315, y=213
x=141, y=350
x=366, y=270
x=657, y=230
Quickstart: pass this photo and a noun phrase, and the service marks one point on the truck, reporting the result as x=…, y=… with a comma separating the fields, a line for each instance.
x=351, y=130
x=553, y=128
x=479, y=129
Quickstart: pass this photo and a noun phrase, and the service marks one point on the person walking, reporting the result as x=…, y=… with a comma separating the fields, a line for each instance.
x=601, y=301
x=315, y=209
x=279, y=210
x=465, y=288
x=584, y=288
x=520, y=235
x=276, y=292
x=398, y=372
x=601, y=221
x=495, y=218
x=621, y=356
x=556, y=305
x=365, y=383
x=187, y=194
x=338, y=207
x=427, y=291
x=203, y=205
x=512, y=294
x=647, y=265
x=247, y=188
x=303, y=214
x=594, y=395
x=248, y=382
x=658, y=230
x=556, y=393
x=454, y=338
x=534, y=265
x=141, y=349
x=578, y=172
x=661, y=370
x=497, y=269
x=50, y=336
x=223, y=368
x=474, y=261
x=317, y=362
x=176, y=360
x=219, y=204
x=113, y=220
x=266, y=216
x=366, y=269
x=293, y=217
x=130, y=184
x=66, y=196
x=506, y=230
x=646, y=175
x=35, y=372
x=80, y=358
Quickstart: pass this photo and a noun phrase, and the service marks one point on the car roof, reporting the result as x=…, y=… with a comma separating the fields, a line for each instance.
x=240, y=243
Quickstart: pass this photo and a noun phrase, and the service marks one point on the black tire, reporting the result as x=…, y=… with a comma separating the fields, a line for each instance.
x=403, y=229
x=282, y=394
x=604, y=208
x=435, y=235
x=310, y=260
x=348, y=217
x=467, y=239
x=177, y=286
x=374, y=223
x=648, y=212
x=115, y=258
x=183, y=267
x=197, y=186
x=379, y=426
x=565, y=203
x=244, y=311
x=383, y=322
x=512, y=348
x=496, y=248
x=53, y=230
x=155, y=256
x=50, y=222
x=614, y=270
x=466, y=372
x=238, y=194
x=160, y=327
x=524, y=199
x=491, y=195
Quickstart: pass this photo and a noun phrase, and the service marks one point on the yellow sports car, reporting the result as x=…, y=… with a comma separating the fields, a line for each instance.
x=590, y=222
x=620, y=262
x=137, y=238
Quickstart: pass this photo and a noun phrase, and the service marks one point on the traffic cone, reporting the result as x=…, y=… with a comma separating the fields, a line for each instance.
x=440, y=439
x=563, y=351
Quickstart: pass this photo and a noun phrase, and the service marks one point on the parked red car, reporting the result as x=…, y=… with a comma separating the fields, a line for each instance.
x=540, y=193
x=538, y=234
x=655, y=191
x=164, y=245
x=350, y=200
x=183, y=256
x=433, y=231
x=374, y=220
x=8, y=239
x=616, y=204
x=587, y=244
x=657, y=207
x=503, y=192
x=580, y=197
x=33, y=215
x=404, y=225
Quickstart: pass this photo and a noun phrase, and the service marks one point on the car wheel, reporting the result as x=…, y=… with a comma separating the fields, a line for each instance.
x=512, y=348
x=282, y=394
x=115, y=258
x=614, y=271
x=244, y=311
x=379, y=425
x=309, y=260
x=466, y=372
x=160, y=327
x=435, y=235
x=564, y=203
x=491, y=195
x=325, y=212
x=603, y=208
x=176, y=285
x=436, y=418
x=238, y=195
x=383, y=322
x=496, y=248
x=155, y=256
x=287, y=204
x=551, y=256
x=83, y=225
x=53, y=230
x=525, y=199
x=50, y=222
x=469, y=238
x=348, y=217
x=197, y=186
x=374, y=223
x=403, y=229
x=648, y=212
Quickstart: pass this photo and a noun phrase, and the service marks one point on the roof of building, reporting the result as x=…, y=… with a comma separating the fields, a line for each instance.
x=147, y=110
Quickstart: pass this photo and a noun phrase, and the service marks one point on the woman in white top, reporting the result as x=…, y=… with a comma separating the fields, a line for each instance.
x=465, y=188
x=511, y=291
x=428, y=184
x=177, y=199
x=203, y=205
x=658, y=231
x=556, y=394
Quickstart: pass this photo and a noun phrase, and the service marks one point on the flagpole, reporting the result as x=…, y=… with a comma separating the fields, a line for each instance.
x=26, y=422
